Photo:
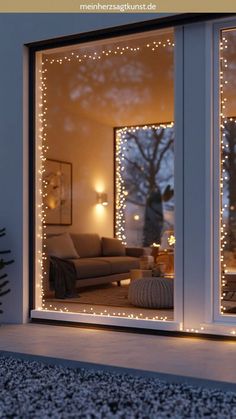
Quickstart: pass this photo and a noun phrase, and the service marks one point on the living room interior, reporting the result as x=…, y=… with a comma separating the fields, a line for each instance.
x=107, y=159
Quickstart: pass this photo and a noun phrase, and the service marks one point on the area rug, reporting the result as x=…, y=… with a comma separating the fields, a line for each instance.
x=108, y=294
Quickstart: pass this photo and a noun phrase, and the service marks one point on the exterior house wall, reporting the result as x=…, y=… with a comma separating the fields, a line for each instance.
x=193, y=130
x=15, y=31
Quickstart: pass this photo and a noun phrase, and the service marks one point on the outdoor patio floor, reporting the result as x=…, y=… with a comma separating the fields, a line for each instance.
x=196, y=361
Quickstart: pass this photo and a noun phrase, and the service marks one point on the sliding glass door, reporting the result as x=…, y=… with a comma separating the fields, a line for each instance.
x=105, y=180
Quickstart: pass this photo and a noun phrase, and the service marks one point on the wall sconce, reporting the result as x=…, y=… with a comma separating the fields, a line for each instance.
x=102, y=198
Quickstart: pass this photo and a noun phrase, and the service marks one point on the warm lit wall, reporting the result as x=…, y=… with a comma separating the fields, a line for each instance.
x=86, y=100
x=88, y=145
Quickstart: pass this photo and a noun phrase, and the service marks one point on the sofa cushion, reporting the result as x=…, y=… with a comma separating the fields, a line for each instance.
x=112, y=247
x=121, y=264
x=89, y=267
x=87, y=245
x=61, y=246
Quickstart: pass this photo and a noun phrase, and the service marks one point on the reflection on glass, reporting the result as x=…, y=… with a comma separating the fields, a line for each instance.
x=228, y=171
x=84, y=91
x=145, y=185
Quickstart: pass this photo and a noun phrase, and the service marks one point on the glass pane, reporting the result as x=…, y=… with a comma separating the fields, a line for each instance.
x=88, y=259
x=228, y=170
x=145, y=184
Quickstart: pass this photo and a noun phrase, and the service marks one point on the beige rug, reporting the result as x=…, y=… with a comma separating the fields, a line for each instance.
x=108, y=294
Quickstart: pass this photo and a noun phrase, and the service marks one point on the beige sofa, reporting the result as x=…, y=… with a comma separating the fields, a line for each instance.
x=96, y=260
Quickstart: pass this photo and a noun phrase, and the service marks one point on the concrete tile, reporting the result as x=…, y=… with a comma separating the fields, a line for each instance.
x=203, y=359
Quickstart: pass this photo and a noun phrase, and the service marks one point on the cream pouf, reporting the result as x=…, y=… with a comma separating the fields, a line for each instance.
x=152, y=292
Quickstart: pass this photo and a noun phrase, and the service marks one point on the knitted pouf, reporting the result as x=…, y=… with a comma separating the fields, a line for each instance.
x=152, y=292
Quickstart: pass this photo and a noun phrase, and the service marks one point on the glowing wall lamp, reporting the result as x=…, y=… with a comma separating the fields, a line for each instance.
x=102, y=199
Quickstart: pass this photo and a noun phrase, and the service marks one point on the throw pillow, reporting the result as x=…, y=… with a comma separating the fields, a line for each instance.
x=61, y=246
x=112, y=247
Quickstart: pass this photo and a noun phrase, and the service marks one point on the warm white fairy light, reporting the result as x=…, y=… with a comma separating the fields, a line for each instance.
x=153, y=46
x=223, y=175
x=41, y=153
x=120, y=149
x=107, y=313
x=171, y=240
x=121, y=193
x=223, y=63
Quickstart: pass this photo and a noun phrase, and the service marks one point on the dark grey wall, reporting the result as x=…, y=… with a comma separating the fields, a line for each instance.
x=15, y=31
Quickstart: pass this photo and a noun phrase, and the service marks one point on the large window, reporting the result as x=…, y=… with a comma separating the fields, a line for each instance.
x=228, y=170
x=105, y=234
x=124, y=191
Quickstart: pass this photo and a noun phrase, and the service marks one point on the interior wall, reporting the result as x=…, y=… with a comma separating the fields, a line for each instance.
x=86, y=100
x=88, y=145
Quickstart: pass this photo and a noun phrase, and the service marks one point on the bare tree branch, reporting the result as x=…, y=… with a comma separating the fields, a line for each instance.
x=139, y=145
x=158, y=138
x=162, y=154
x=135, y=164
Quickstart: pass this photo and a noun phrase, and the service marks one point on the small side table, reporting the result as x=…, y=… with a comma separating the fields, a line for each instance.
x=140, y=273
x=152, y=292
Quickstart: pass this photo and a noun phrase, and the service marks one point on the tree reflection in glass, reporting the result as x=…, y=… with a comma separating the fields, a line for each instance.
x=147, y=176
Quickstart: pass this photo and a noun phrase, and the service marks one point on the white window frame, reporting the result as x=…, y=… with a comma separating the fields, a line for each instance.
x=177, y=323
x=214, y=206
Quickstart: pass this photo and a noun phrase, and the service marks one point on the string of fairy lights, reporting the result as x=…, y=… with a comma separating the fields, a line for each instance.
x=108, y=313
x=42, y=150
x=153, y=46
x=121, y=143
x=223, y=242
x=121, y=192
x=224, y=176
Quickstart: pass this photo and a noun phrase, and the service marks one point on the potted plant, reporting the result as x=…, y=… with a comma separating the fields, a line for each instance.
x=3, y=281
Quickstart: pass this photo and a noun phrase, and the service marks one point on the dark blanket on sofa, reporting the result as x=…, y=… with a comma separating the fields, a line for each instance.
x=62, y=277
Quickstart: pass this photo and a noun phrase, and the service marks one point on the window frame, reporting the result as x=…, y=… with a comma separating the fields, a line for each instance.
x=143, y=27
x=217, y=316
x=215, y=323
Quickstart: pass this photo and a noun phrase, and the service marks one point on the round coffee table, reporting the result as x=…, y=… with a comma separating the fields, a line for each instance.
x=153, y=292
